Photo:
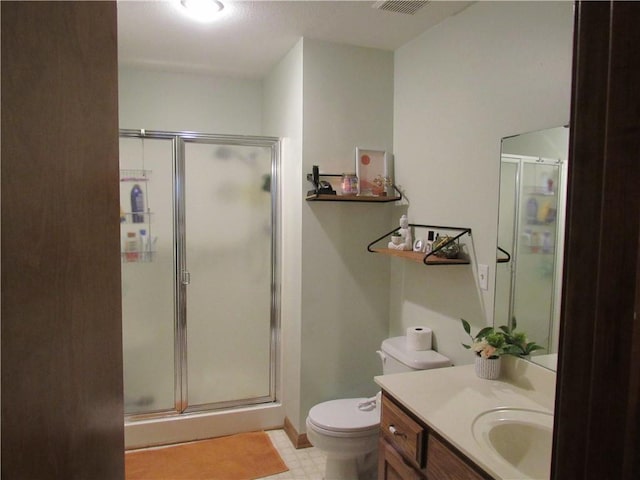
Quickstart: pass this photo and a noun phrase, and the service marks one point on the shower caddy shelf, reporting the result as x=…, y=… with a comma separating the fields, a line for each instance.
x=140, y=257
x=134, y=175
x=323, y=197
x=420, y=257
x=126, y=218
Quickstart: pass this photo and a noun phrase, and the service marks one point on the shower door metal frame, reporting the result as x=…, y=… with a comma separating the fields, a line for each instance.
x=181, y=280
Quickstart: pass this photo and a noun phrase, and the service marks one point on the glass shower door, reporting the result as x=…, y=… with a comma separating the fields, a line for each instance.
x=530, y=228
x=199, y=290
x=148, y=300
x=228, y=276
x=534, y=283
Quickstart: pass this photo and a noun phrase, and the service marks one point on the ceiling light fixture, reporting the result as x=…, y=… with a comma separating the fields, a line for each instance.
x=201, y=10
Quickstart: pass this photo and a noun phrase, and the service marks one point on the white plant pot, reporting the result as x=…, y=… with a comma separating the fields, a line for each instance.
x=488, y=368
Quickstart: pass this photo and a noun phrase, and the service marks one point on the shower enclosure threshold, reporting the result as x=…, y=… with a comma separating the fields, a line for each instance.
x=197, y=426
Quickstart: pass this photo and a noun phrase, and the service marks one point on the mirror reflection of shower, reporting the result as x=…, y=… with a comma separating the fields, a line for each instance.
x=533, y=177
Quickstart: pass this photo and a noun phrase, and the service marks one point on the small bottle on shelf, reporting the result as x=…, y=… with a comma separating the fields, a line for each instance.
x=428, y=244
x=547, y=246
x=536, y=242
x=532, y=211
x=349, y=184
x=131, y=253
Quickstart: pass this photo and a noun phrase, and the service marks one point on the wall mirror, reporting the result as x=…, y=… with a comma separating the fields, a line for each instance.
x=531, y=218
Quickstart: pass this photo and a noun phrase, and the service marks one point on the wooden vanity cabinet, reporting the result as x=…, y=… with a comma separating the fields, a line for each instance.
x=409, y=450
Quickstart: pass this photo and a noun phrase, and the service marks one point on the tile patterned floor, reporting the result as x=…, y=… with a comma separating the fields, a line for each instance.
x=304, y=463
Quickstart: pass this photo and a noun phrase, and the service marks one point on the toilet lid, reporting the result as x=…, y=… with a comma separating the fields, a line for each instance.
x=344, y=416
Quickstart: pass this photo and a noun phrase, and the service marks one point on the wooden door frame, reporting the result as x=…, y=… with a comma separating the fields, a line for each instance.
x=62, y=404
x=597, y=410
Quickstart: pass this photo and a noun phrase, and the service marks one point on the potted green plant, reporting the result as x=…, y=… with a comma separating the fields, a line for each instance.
x=396, y=238
x=490, y=344
x=517, y=342
x=445, y=247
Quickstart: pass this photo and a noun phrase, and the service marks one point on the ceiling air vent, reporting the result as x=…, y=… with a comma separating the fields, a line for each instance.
x=409, y=7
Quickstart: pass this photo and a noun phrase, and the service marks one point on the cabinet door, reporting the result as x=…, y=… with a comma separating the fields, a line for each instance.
x=443, y=464
x=391, y=466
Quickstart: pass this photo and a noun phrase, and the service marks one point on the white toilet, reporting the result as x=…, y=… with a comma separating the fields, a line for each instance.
x=347, y=430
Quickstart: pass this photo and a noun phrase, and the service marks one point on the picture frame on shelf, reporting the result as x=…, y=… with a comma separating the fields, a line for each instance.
x=374, y=172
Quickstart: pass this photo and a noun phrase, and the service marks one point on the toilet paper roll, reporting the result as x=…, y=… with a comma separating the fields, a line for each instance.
x=418, y=338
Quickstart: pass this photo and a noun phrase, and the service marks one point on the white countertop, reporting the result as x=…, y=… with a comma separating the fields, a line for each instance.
x=550, y=360
x=449, y=399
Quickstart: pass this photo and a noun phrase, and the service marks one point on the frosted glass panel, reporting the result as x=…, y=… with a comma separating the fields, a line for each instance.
x=147, y=274
x=228, y=256
x=535, y=272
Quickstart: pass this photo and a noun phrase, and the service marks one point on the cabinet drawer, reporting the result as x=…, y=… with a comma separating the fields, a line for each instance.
x=404, y=433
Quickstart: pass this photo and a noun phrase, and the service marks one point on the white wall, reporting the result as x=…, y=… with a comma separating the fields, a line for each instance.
x=325, y=99
x=495, y=69
x=159, y=100
x=348, y=102
x=283, y=118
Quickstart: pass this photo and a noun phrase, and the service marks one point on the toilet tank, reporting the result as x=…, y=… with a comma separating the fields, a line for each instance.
x=397, y=358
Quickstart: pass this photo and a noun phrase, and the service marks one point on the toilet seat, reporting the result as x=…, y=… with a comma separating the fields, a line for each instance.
x=343, y=417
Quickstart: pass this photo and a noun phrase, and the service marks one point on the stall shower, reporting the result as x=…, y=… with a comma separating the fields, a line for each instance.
x=199, y=218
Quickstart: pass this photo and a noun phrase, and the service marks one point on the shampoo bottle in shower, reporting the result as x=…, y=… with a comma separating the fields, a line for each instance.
x=532, y=211
x=137, y=204
x=143, y=245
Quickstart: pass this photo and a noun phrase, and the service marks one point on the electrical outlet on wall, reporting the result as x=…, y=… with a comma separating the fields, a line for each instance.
x=483, y=276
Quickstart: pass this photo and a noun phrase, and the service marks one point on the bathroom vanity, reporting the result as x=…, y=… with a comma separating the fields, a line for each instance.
x=448, y=424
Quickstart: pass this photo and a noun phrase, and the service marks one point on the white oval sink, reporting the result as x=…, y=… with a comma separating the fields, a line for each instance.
x=520, y=437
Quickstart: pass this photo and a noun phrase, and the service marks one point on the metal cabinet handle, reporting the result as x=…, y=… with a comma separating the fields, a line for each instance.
x=395, y=432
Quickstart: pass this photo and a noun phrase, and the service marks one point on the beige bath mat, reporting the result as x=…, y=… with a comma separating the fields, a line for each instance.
x=244, y=456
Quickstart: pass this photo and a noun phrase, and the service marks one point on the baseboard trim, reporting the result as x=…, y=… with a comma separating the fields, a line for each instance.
x=298, y=441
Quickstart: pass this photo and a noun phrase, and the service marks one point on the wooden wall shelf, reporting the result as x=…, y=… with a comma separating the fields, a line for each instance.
x=419, y=257
x=350, y=198
x=429, y=258
x=312, y=196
